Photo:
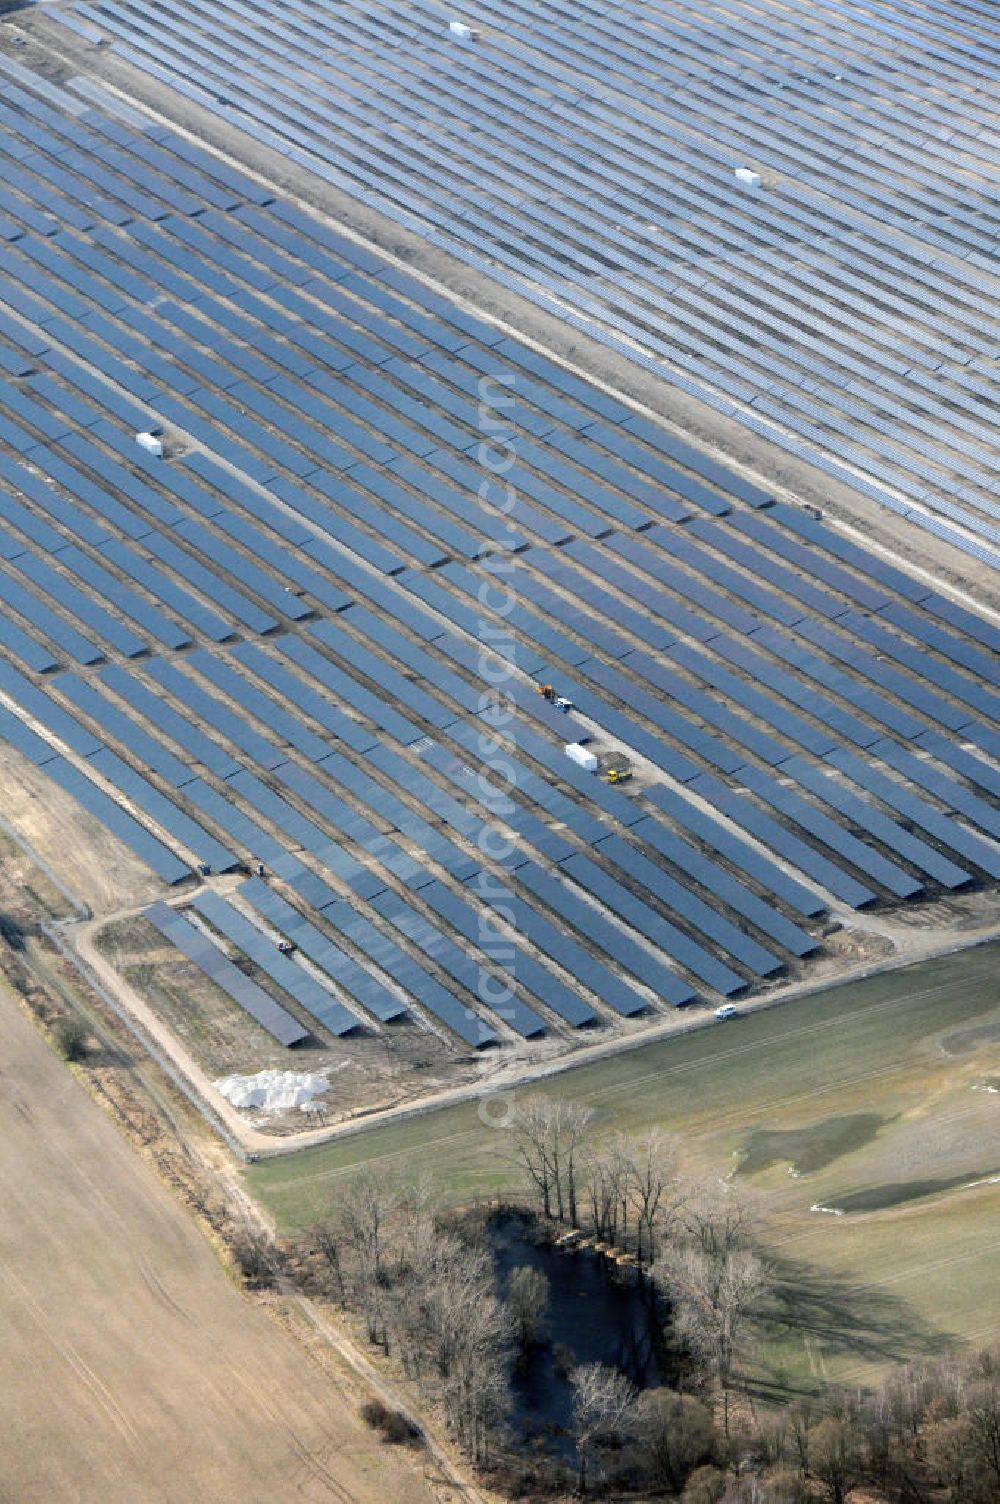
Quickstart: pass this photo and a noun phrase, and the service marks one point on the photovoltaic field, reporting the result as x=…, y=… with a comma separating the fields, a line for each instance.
x=284, y=644
x=584, y=153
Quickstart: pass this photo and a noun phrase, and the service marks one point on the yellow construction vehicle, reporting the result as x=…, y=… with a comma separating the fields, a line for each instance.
x=618, y=775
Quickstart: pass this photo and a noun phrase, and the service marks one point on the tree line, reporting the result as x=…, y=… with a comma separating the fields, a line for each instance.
x=424, y=1282
x=698, y=1239
x=426, y=1291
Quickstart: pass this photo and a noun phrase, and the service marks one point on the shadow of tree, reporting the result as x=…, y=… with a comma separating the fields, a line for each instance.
x=12, y=931
x=836, y=1318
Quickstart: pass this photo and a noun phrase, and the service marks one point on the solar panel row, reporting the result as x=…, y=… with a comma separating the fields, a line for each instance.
x=288, y=975
x=278, y=1022
x=359, y=984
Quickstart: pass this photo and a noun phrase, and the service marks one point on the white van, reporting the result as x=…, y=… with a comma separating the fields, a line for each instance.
x=728, y=1010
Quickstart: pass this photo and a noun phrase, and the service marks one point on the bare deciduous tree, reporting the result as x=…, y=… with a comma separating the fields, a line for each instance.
x=603, y=1407
x=835, y=1457
x=622, y=1160
x=528, y=1298
x=531, y=1147
x=570, y=1123
x=715, y=1281
x=706, y=1485
x=655, y=1193
x=476, y=1391
x=548, y=1138
x=983, y=1410
x=601, y=1180
x=718, y=1219
x=437, y=1298
x=675, y=1434
x=366, y=1208
x=326, y=1241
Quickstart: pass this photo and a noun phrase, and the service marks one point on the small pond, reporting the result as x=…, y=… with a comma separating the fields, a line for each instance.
x=595, y=1316
x=811, y=1148
x=878, y=1198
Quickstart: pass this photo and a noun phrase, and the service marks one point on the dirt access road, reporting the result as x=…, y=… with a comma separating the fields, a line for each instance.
x=130, y=1367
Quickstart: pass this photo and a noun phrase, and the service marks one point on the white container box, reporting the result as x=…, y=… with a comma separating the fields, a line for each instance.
x=150, y=443
x=745, y=175
x=582, y=756
x=459, y=29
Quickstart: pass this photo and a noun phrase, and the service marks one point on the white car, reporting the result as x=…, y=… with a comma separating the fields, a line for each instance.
x=728, y=1010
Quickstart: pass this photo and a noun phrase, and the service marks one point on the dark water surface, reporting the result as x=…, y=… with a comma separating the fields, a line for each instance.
x=595, y=1316
x=809, y=1149
x=898, y=1192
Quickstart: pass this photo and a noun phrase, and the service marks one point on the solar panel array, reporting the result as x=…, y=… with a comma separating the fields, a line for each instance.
x=586, y=157
x=303, y=641
x=220, y=969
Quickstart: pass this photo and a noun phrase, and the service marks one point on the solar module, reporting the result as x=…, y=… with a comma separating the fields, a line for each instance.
x=556, y=566
x=452, y=536
x=646, y=462
x=210, y=583
x=866, y=817
x=108, y=587
x=879, y=708
x=239, y=827
x=180, y=728
x=946, y=643
x=984, y=853
x=413, y=978
x=13, y=730
x=15, y=515
x=395, y=687
x=25, y=648
x=693, y=910
x=348, y=689
x=288, y=322
x=961, y=760
x=360, y=985
x=118, y=821
x=695, y=459
x=965, y=620
x=915, y=657
x=359, y=828
x=869, y=565
x=614, y=991
x=872, y=667
x=804, y=857
x=919, y=771
x=519, y=965
x=762, y=706
x=591, y=924
x=295, y=827
x=260, y=708
x=697, y=597
x=44, y=709
x=186, y=606
x=51, y=503
x=278, y=1022
x=790, y=687
x=211, y=711
x=641, y=917
x=491, y=991
x=854, y=851
x=115, y=723
x=162, y=810
x=287, y=973
x=716, y=880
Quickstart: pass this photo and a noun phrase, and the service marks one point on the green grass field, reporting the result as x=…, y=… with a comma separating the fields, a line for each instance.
x=873, y=1088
